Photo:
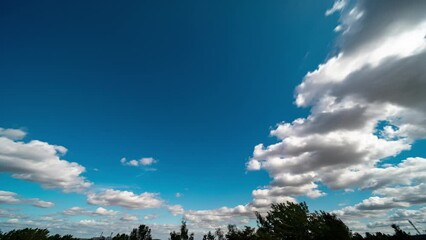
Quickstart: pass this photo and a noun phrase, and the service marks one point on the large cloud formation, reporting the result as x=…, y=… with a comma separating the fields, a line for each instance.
x=367, y=105
x=39, y=162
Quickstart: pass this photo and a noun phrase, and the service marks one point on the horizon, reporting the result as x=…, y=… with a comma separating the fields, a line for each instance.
x=120, y=114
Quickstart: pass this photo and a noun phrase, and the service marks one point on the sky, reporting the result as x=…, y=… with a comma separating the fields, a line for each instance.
x=115, y=114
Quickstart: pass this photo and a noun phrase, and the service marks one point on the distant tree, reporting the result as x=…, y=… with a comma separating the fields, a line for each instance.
x=377, y=236
x=285, y=221
x=219, y=234
x=357, y=236
x=27, y=233
x=143, y=232
x=208, y=236
x=235, y=234
x=183, y=235
x=134, y=234
x=68, y=237
x=174, y=236
x=324, y=226
x=55, y=237
x=399, y=234
x=121, y=237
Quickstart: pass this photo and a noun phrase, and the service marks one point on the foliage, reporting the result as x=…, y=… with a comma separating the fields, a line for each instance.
x=33, y=234
x=121, y=237
x=323, y=226
x=143, y=232
x=183, y=235
x=235, y=234
x=209, y=236
x=285, y=221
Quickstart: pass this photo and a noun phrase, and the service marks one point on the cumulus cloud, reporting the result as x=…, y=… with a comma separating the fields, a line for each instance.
x=367, y=104
x=100, y=211
x=150, y=216
x=40, y=203
x=75, y=211
x=7, y=197
x=147, y=161
x=129, y=218
x=104, y=212
x=126, y=199
x=40, y=162
x=175, y=209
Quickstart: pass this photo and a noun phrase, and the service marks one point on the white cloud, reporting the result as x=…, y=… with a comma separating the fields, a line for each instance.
x=129, y=218
x=40, y=162
x=104, y=212
x=100, y=211
x=126, y=199
x=40, y=203
x=337, y=6
x=13, y=220
x=150, y=216
x=175, y=209
x=13, y=134
x=7, y=197
x=178, y=195
x=75, y=211
x=144, y=162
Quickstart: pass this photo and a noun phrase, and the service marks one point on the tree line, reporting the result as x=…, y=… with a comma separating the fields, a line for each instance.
x=284, y=221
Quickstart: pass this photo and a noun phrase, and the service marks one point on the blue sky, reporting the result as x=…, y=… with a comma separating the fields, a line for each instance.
x=187, y=90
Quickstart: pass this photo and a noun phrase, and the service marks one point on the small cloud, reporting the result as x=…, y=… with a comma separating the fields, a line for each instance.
x=147, y=161
x=178, y=194
x=151, y=216
x=12, y=134
x=74, y=211
x=13, y=220
x=129, y=218
x=337, y=6
x=104, y=212
x=338, y=28
x=40, y=203
x=175, y=209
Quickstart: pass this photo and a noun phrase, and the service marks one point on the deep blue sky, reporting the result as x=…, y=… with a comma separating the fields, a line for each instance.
x=195, y=85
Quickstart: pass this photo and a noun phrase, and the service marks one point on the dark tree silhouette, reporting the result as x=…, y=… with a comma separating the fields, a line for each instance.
x=235, y=234
x=183, y=235
x=33, y=234
x=143, y=232
x=121, y=237
x=324, y=226
x=208, y=236
x=285, y=221
x=219, y=234
x=399, y=234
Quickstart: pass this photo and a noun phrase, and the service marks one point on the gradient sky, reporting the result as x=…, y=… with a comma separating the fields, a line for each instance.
x=115, y=114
